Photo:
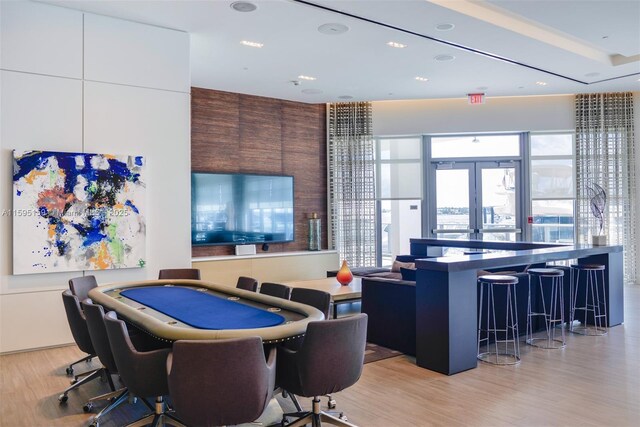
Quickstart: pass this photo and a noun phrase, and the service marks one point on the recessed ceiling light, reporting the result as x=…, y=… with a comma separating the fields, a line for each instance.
x=251, y=44
x=345, y=97
x=592, y=74
x=444, y=58
x=520, y=87
x=482, y=87
x=396, y=45
x=541, y=83
x=306, y=77
x=312, y=91
x=243, y=6
x=333, y=29
x=422, y=79
x=445, y=27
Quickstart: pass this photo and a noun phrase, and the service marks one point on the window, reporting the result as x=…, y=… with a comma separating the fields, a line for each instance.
x=398, y=195
x=475, y=146
x=553, y=187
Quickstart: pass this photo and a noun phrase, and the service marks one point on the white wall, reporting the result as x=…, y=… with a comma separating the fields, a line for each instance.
x=517, y=114
x=527, y=113
x=73, y=81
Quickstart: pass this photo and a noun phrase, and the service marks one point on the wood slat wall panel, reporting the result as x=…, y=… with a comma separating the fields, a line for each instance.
x=260, y=135
x=215, y=131
x=249, y=134
x=305, y=126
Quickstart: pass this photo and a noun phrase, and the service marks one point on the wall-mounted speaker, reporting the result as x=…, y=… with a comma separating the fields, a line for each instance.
x=245, y=249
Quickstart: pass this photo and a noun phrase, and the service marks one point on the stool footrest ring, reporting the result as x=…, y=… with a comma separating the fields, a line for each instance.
x=499, y=358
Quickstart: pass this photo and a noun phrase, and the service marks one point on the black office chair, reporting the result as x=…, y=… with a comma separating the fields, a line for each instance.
x=220, y=382
x=313, y=297
x=275, y=290
x=80, y=287
x=179, y=273
x=329, y=360
x=247, y=283
x=322, y=301
x=80, y=332
x=98, y=331
x=144, y=373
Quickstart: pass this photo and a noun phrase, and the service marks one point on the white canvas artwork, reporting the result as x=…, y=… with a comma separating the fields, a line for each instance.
x=77, y=211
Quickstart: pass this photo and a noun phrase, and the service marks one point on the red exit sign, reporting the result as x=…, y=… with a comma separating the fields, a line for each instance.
x=476, y=98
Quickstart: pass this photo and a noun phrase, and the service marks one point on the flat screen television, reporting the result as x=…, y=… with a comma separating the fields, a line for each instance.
x=237, y=209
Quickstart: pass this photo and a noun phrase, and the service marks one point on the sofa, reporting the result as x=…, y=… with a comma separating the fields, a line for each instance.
x=383, y=272
x=391, y=307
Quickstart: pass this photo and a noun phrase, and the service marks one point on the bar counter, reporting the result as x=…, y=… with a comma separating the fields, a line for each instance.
x=446, y=292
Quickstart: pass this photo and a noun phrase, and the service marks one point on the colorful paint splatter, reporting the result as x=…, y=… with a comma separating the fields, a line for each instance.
x=77, y=211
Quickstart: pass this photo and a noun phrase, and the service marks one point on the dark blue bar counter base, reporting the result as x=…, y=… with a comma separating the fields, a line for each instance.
x=446, y=293
x=454, y=329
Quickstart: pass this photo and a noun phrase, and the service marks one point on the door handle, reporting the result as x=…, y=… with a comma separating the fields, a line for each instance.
x=453, y=230
x=499, y=230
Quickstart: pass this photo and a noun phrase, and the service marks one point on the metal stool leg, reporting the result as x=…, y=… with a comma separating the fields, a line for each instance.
x=480, y=339
x=502, y=345
x=495, y=327
x=550, y=310
x=592, y=302
x=604, y=297
x=574, y=298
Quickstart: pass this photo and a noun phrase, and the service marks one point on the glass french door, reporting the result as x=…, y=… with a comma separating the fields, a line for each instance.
x=475, y=200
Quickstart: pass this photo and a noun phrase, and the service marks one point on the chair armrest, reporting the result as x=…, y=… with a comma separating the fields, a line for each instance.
x=151, y=362
x=271, y=368
x=271, y=357
x=169, y=363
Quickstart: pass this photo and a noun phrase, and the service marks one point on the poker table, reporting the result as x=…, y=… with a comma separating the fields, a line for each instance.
x=172, y=310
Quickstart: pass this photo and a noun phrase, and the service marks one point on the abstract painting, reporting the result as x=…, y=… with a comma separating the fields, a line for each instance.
x=77, y=211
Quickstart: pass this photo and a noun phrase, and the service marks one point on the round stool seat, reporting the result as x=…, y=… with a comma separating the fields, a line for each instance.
x=498, y=279
x=588, y=266
x=546, y=272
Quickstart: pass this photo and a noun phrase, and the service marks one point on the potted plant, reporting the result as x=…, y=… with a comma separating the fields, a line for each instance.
x=598, y=201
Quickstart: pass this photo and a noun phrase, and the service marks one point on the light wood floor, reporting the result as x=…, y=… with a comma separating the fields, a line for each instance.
x=594, y=381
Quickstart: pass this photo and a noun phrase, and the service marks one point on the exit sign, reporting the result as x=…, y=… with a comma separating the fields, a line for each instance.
x=476, y=98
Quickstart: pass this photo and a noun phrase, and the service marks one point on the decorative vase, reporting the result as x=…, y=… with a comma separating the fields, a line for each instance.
x=314, y=232
x=344, y=275
x=600, y=240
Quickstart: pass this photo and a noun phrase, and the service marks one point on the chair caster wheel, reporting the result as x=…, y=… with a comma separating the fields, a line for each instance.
x=331, y=404
x=63, y=398
x=285, y=394
x=69, y=371
x=88, y=407
x=94, y=424
x=73, y=381
x=343, y=417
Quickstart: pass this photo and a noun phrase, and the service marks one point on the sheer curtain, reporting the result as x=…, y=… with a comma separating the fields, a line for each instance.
x=605, y=156
x=352, y=182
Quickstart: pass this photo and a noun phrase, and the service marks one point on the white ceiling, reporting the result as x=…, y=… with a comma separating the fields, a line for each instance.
x=571, y=38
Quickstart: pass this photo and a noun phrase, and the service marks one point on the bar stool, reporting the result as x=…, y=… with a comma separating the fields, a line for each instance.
x=592, y=302
x=498, y=357
x=555, y=281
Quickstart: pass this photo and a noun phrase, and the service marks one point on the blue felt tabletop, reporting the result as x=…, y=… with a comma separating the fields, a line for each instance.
x=202, y=310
